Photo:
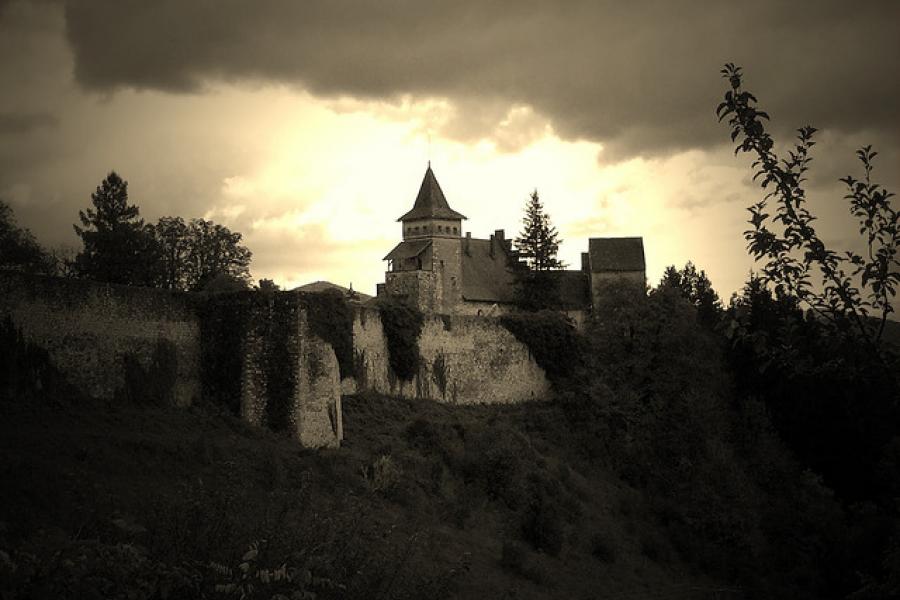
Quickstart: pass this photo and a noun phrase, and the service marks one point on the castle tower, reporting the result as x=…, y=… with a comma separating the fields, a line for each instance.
x=425, y=268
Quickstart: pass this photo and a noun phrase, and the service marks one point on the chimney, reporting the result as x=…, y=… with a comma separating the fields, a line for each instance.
x=491, y=245
x=586, y=262
x=499, y=234
x=467, y=243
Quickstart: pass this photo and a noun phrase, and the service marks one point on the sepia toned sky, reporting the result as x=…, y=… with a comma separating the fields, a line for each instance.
x=307, y=126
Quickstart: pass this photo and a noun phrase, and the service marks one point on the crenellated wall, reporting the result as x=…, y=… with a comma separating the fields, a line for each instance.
x=465, y=360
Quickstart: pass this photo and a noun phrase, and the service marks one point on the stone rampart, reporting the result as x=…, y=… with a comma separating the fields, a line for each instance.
x=106, y=338
x=465, y=360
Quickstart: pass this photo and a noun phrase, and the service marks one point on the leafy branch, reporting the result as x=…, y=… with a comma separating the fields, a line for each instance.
x=850, y=286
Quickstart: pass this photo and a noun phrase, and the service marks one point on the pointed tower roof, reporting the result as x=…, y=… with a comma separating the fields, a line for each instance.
x=430, y=203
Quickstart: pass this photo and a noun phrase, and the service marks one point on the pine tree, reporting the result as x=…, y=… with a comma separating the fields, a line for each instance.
x=118, y=247
x=538, y=243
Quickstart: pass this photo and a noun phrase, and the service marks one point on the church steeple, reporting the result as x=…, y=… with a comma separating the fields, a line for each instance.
x=430, y=202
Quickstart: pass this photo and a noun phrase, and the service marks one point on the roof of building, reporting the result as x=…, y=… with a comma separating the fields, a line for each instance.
x=616, y=254
x=486, y=278
x=407, y=249
x=430, y=203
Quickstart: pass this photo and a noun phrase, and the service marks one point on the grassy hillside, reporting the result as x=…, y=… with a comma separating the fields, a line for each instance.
x=655, y=470
x=425, y=500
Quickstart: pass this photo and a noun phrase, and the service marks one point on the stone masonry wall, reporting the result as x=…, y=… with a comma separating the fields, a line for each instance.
x=287, y=379
x=102, y=337
x=466, y=360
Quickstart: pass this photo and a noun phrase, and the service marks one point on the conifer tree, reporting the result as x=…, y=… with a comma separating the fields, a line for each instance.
x=538, y=243
x=118, y=247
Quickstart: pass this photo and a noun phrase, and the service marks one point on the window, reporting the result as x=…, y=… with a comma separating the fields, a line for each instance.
x=454, y=231
x=440, y=229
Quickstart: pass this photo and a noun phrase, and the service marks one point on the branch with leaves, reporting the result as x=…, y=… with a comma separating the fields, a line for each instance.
x=850, y=287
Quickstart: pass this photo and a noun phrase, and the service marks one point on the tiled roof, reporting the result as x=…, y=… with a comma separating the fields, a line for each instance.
x=616, y=254
x=431, y=203
x=407, y=249
x=486, y=278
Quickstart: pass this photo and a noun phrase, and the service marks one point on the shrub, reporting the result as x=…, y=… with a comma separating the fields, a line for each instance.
x=542, y=525
x=402, y=325
x=552, y=340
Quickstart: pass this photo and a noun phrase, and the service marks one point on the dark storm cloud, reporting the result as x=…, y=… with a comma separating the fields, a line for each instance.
x=640, y=77
x=25, y=123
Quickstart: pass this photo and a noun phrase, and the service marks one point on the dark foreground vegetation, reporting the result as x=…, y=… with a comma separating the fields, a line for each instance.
x=659, y=468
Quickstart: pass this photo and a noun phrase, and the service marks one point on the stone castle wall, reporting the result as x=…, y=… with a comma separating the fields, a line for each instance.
x=465, y=360
x=262, y=361
x=98, y=334
x=254, y=353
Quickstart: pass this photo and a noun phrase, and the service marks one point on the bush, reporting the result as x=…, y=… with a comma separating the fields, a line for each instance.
x=543, y=526
x=552, y=340
x=402, y=326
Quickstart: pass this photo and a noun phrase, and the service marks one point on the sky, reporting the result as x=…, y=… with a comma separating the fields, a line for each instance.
x=307, y=126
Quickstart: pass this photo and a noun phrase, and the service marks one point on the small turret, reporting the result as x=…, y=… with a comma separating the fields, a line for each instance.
x=431, y=216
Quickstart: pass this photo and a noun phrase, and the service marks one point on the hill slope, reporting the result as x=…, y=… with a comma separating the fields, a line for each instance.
x=425, y=500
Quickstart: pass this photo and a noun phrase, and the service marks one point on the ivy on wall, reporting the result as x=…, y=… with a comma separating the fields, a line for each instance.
x=223, y=327
x=27, y=373
x=553, y=341
x=402, y=327
x=331, y=319
x=279, y=360
x=155, y=384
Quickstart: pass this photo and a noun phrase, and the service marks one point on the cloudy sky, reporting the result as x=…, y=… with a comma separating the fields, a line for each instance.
x=307, y=126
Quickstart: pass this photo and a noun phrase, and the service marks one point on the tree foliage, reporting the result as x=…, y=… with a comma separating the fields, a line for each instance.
x=842, y=288
x=198, y=254
x=694, y=286
x=538, y=243
x=172, y=253
x=18, y=248
x=118, y=245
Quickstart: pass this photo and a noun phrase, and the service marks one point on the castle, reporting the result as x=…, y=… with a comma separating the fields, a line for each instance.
x=283, y=360
x=439, y=270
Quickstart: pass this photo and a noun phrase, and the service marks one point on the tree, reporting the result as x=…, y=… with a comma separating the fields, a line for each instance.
x=118, y=246
x=850, y=286
x=18, y=249
x=172, y=237
x=695, y=287
x=538, y=243
x=215, y=251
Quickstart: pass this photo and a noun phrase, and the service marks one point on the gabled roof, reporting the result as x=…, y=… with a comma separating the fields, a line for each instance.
x=616, y=254
x=486, y=278
x=430, y=203
x=407, y=249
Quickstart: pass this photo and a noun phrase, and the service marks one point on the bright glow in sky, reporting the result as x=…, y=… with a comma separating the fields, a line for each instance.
x=315, y=179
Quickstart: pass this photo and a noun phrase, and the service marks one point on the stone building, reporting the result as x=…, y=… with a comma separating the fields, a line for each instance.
x=440, y=270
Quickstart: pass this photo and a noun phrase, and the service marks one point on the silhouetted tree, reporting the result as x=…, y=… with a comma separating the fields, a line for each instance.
x=696, y=287
x=18, y=248
x=268, y=286
x=118, y=246
x=850, y=285
x=538, y=243
x=215, y=251
x=172, y=236
x=192, y=255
